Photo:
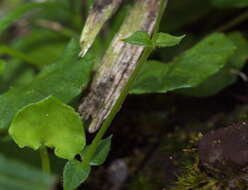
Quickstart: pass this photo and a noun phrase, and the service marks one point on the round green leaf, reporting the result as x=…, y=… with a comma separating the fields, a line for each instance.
x=49, y=123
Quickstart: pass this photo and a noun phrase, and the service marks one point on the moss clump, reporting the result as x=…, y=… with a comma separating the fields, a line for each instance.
x=192, y=178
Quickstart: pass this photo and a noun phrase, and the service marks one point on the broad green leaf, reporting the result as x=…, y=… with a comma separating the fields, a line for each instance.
x=168, y=40
x=230, y=3
x=32, y=47
x=140, y=38
x=39, y=43
x=74, y=174
x=12, y=77
x=101, y=153
x=13, y=15
x=49, y=123
x=24, y=78
x=188, y=69
x=16, y=175
x=226, y=76
x=150, y=78
x=200, y=62
x=64, y=80
x=2, y=65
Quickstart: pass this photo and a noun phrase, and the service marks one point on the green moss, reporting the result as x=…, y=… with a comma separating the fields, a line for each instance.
x=193, y=179
x=142, y=182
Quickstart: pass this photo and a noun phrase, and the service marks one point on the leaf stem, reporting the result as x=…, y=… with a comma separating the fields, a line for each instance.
x=45, y=161
x=57, y=27
x=17, y=54
x=124, y=93
x=237, y=20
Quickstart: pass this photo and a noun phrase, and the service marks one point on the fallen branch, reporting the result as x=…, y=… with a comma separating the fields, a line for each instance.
x=101, y=11
x=118, y=64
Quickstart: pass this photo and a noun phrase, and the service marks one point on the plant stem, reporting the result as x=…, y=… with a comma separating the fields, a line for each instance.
x=17, y=54
x=57, y=27
x=106, y=124
x=239, y=19
x=45, y=161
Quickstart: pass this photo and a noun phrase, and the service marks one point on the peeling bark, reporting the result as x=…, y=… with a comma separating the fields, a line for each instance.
x=99, y=14
x=118, y=64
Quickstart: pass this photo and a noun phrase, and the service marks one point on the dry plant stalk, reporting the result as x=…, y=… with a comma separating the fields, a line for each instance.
x=118, y=64
x=99, y=14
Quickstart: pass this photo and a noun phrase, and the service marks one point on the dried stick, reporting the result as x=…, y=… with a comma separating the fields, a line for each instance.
x=101, y=11
x=118, y=64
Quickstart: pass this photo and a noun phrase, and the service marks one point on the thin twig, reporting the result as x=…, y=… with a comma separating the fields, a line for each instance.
x=57, y=27
x=237, y=20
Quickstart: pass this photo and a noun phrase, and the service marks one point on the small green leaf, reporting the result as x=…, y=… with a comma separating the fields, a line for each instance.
x=101, y=153
x=188, y=69
x=50, y=123
x=18, y=13
x=74, y=174
x=2, y=65
x=16, y=175
x=140, y=38
x=230, y=3
x=64, y=80
x=168, y=40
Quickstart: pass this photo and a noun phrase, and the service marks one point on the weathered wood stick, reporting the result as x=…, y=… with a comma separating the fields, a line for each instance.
x=99, y=14
x=118, y=64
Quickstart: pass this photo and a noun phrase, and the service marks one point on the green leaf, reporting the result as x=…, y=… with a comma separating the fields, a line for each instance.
x=168, y=40
x=24, y=78
x=2, y=65
x=32, y=47
x=39, y=43
x=64, y=80
x=194, y=66
x=230, y=3
x=74, y=174
x=49, y=123
x=140, y=38
x=13, y=15
x=17, y=175
x=150, y=78
x=226, y=76
x=101, y=153
x=188, y=69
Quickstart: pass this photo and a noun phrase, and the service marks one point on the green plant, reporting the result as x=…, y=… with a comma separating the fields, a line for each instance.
x=39, y=97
